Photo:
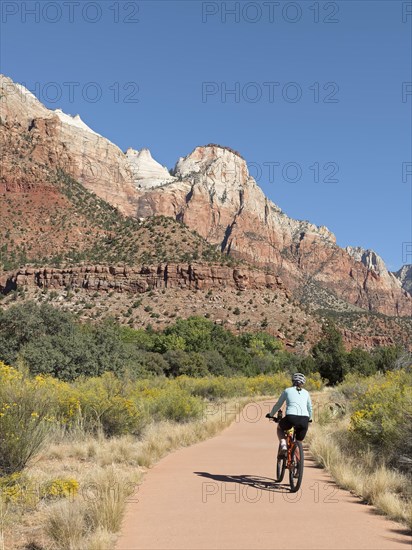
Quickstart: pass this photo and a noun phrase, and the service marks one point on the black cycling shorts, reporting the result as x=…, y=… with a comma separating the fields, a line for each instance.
x=300, y=423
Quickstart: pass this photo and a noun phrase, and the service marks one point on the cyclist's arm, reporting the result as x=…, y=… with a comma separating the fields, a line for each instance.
x=310, y=409
x=278, y=404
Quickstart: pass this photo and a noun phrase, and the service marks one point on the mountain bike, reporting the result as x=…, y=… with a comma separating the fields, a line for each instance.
x=293, y=460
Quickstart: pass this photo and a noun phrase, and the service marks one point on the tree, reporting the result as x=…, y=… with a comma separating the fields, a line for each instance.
x=195, y=331
x=216, y=364
x=330, y=356
x=386, y=358
x=181, y=362
x=361, y=362
x=166, y=342
x=28, y=322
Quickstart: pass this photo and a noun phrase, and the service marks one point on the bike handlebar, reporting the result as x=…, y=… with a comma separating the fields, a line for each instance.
x=278, y=417
x=275, y=418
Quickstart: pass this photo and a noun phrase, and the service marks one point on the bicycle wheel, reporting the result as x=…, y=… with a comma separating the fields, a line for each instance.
x=296, y=469
x=280, y=467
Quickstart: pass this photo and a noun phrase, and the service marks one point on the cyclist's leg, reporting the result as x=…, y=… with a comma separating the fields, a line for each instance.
x=301, y=428
x=284, y=425
x=281, y=434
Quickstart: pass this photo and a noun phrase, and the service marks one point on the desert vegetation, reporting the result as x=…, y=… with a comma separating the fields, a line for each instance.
x=50, y=341
x=365, y=440
x=73, y=452
x=86, y=408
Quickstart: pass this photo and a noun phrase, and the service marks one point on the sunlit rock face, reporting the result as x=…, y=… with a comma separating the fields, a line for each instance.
x=210, y=190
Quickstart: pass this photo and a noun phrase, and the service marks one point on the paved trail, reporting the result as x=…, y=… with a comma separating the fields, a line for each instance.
x=220, y=494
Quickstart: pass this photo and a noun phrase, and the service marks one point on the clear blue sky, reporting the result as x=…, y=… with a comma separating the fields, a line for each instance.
x=163, y=52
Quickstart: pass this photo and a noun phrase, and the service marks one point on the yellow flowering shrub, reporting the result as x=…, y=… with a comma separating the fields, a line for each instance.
x=171, y=403
x=106, y=402
x=18, y=488
x=25, y=420
x=59, y=488
x=64, y=398
x=314, y=382
x=9, y=374
x=383, y=412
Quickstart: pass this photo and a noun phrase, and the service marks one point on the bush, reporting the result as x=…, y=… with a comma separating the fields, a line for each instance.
x=171, y=404
x=25, y=419
x=382, y=416
x=181, y=362
x=106, y=403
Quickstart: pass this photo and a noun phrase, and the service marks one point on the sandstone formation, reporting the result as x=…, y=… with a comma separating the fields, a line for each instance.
x=68, y=143
x=140, y=279
x=404, y=275
x=215, y=195
x=147, y=173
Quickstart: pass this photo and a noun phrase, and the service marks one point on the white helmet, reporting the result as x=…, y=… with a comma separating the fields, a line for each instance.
x=298, y=379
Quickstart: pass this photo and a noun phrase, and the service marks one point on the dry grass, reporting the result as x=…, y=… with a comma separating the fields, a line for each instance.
x=107, y=471
x=380, y=486
x=65, y=524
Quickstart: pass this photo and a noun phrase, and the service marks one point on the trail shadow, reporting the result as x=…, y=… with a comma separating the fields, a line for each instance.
x=402, y=531
x=259, y=482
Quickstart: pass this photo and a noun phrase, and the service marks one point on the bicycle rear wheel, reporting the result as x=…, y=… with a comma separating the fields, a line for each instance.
x=296, y=469
x=280, y=467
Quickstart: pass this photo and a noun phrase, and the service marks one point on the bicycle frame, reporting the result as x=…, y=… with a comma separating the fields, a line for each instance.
x=290, y=442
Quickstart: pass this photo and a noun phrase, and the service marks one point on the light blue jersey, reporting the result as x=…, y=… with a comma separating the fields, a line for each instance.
x=297, y=402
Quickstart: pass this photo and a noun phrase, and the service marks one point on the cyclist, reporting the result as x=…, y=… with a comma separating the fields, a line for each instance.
x=298, y=411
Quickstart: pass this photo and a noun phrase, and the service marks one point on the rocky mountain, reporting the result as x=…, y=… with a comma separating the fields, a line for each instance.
x=214, y=193
x=60, y=141
x=147, y=173
x=50, y=160
x=404, y=275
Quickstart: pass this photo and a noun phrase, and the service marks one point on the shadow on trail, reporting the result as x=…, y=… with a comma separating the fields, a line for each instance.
x=262, y=483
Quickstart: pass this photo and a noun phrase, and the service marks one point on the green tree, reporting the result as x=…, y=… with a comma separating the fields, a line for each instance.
x=195, y=331
x=181, y=362
x=386, y=357
x=166, y=342
x=330, y=356
x=216, y=364
x=361, y=362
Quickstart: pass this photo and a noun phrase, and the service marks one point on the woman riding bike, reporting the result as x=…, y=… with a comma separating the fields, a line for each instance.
x=298, y=411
